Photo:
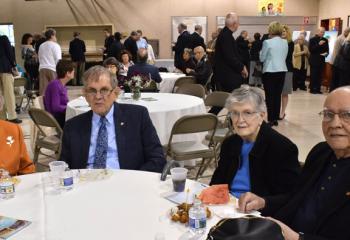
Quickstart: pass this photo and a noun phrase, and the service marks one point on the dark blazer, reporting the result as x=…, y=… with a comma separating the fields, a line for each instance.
x=333, y=224
x=202, y=71
x=273, y=162
x=115, y=49
x=197, y=40
x=131, y=46
x=7, y=56
x=108, y=42
x=315, y=50
x=228, y=66
x=183, y=41
x=77, y=50
x=137, y=140
x=145, y=69
x=289, y=59
x=243, y=50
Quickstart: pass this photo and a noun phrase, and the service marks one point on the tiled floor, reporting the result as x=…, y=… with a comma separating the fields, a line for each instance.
x=302, y=123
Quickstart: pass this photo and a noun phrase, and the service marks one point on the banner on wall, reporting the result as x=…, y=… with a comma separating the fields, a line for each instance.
x=271, y=7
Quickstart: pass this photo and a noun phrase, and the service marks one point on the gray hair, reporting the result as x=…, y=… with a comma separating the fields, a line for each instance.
x=94, y=73
x=231, y=18
x=188, y=50
x=245, y=94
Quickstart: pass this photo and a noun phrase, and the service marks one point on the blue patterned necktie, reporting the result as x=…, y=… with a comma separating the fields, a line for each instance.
x=101, y=145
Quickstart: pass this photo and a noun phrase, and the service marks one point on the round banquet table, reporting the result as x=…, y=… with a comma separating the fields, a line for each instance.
x=168, y=81
x=127, y=205
x=164, y=109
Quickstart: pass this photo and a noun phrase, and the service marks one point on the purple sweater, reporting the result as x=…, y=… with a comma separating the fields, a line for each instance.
x=55, y=99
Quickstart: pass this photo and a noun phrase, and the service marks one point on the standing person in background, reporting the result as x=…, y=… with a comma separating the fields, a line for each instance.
x=319, y=50
x=77, y=51
x=31, y=64
x=141, y=42
x=108, y=42
x=151, y=57
x=288, y=79
x=183, y=41
x=229, y=70
x=49, y=55
x=196, y=38
x=131, y=46
x=38, y=39
x=116, y=46
x=243, y=50
x=342, y=63
x=335, y=72
x=273, y=55
x=56, y=99
x=255, y=64
x=300, y=63
x=7, y=62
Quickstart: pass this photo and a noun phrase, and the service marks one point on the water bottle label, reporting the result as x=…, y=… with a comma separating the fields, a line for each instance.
x=66, y=182
x=7, y=188
x=197, y=223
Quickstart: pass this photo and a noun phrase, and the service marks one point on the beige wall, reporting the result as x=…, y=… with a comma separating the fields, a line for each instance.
x=153, y=16
x=334, y=9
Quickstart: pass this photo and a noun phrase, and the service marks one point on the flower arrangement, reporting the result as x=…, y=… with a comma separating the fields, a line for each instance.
x=137, y=82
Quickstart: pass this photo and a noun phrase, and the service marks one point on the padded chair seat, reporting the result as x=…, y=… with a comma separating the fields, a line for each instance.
x=190, y=150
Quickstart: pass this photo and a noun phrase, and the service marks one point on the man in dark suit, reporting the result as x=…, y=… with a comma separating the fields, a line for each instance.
x=319, y=49
x=183, y=41
x=196, y=38
x=319, y=206
x=111, y=135
x=108, y=42
x=77, y=51
x=202, y=69
x=142, y=67
x=131, y=45
x=7, y=62
x=243, y=50
x=229, y=70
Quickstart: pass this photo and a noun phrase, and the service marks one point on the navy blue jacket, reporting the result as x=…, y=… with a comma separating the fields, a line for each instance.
x=7, y=57
x=77, y=50
x=145, y=69
x=137, y=141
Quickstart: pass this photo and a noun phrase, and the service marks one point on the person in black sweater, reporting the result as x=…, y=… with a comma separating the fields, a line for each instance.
x=202, y=70
x=319, y=49
x=183, y=41
x=255, y=64
x=131, y=46
x=243, y=50
x=77, y=51
x=116, y=46
x=108, y=42
x=196, y=38
x=187, y=60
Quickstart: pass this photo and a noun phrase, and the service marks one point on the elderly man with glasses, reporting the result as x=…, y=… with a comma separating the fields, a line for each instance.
x=256, y=158
x=319, y=206
x=111, y=135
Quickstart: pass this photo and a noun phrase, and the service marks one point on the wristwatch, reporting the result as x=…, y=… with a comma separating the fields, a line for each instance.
x=301, y=236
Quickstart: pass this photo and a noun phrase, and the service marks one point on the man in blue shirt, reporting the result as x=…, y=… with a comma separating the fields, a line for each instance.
x=141, y=42
x=111, y=135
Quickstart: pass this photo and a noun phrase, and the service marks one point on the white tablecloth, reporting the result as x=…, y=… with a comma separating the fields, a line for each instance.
x=164, y=112
x=169, y=79
x=129, y=205
x=164, y=62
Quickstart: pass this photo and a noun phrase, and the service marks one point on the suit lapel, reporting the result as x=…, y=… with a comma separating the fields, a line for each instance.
x=85, y=138
x=120, y=128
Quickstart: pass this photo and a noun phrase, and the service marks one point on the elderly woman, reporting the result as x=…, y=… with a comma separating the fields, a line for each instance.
x=256, y=158
x=301, y=56
x=273, y=54
x=187, y=62
x=125, y=63
x=14, y=157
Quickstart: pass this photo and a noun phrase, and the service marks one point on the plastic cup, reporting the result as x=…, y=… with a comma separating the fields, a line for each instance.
x=57, y=168
x=179, y=175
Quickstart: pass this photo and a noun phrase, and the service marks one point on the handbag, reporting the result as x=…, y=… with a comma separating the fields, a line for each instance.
x=245, y=228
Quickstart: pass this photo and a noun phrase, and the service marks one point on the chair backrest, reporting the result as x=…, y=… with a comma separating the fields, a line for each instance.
x=184, y=80
x=20, y=82
x=42, y=118
x=216, y=99
x=192, y=89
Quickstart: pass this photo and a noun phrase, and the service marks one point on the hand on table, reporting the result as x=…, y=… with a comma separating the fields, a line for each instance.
x=288, y=233
x=188, y=70
x=250, y=202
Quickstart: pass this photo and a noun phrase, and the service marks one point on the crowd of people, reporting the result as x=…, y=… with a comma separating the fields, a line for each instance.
x=260, y=165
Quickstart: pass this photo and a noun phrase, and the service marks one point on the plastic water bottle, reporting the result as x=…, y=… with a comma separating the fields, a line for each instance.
x=197, y=218
x=7, y=187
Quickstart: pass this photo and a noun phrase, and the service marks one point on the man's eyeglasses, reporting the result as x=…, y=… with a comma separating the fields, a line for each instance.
x=328, y=116
x=104, y=92
x=246, y=115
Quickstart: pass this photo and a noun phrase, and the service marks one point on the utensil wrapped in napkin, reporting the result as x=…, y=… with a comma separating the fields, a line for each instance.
x=216, y=194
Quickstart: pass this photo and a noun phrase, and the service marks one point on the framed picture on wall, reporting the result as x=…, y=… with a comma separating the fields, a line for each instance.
x=348, y=21
x=220, y=22
x=190, y=22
